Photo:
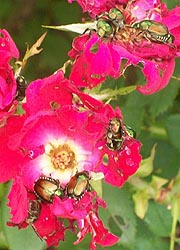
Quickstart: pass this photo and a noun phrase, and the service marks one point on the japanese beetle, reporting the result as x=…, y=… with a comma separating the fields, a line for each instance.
x=21, y=87
x=104, y=28
x=45, y=188
x=155, y=31
x=116, y=14
x=77, y=185
x=116, y=18
x=33, y=211
x=109, y=23
x=114, y=134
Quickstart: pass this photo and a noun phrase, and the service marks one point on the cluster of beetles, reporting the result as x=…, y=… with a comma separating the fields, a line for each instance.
x=45, y=188
x=110, y=24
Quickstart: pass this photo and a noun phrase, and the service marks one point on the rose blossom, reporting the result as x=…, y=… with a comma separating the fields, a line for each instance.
x=129, y=46
x=50, y=145
x=96, y=7
x=8, y=86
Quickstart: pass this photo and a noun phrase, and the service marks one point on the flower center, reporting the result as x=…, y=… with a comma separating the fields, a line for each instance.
x=62, y=157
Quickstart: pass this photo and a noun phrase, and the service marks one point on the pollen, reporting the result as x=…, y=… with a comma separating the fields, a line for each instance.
x=62, y=156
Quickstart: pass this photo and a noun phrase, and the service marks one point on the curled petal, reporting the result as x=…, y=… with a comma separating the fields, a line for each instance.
x=7, y=44
x=97, y=7
x=100, y=235
x=57, y=88
x=11, y=161
x=121, y=164
x=157, y=75
x=48, y=227
x=72, y=209
x=8, y=86
x=18, y=195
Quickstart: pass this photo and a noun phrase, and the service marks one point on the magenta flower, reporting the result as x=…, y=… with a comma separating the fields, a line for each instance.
x=7, y=44
x=93, y=71
x=9, y=168
x=46, y=224
x=48, y=93
x=92, y=224
x=129, y=46
x=96, y=7
x=8, y=86
x=57, y=153
x=48, y=227
x=53, y=148
x=120, y=157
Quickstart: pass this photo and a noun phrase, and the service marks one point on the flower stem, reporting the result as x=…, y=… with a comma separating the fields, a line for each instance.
x=173, y=230
x=176, y=78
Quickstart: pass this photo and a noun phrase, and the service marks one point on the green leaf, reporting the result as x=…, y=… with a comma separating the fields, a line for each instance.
x=171, y=4
x=167, y=158
x=141, y=200
x=146, y=166
x=108, y=94
x=133, y=110
x=2, y=190
x=161, y=101
x=3, y=242
x=157, y=182
x=125, y=90
x=79, y=28
x=173, y=125
x=158, y=219
x=119, y=214
x=146, y=240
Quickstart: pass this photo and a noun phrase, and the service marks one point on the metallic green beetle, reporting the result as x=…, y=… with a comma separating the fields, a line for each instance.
x=33, y=211
x=45, y=188
x=115, y=14
x=104, y=28
x=77, y=185
x=109, y=23
x=155, y=31
x=116, y=135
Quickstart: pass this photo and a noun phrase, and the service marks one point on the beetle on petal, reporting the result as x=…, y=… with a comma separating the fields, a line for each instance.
x=77, y=185
x=46, y=187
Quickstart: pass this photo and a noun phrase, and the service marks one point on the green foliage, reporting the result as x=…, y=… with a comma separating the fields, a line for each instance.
x=173, y=124
x=23, y=20
x=155, y=118
x=161, y=101
x=158, y=220
x=147, y=240
x=134, y=109
x=120, y=216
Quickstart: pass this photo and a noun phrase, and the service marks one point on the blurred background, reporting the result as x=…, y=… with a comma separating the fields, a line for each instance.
x=156, y=119
x=23, y=20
